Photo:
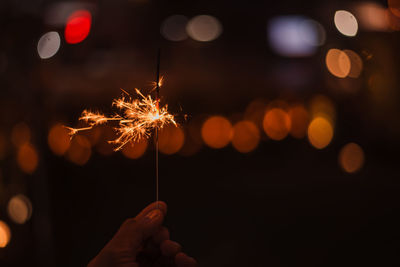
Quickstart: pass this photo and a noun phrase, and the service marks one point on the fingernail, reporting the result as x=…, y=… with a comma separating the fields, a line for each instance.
x=152, y=216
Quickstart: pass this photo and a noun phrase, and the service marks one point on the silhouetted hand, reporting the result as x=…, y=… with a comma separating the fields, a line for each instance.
x=143, y=242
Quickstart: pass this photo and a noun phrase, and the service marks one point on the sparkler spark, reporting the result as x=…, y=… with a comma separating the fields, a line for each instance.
x=137, y=119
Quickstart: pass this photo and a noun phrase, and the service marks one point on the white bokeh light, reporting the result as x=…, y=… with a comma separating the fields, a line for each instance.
x=174, y=28
x=48, y=45
x=346, y=23
x=204, y=28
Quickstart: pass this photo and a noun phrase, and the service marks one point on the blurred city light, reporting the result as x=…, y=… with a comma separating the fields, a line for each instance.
x=27, y=158
x=372, y=16
x=5, y=234
x=338, y=63
x=19, y=209
x=171, y=139
x=276, y=123
x=394, y=7
x=58, y=139
x=48, y=45
x=299, y=118
x=255, y=112
x=295, y=36
x=346, y=23
x=79, y=151
x=320, y=132
x=322, y=106
x=204, y=28
x=351, y=158
x=134, y=150
x=174, y=28
x=78, y=26
x=246, y=136
x=356, y=64
x=20, y=134
x=217, y=132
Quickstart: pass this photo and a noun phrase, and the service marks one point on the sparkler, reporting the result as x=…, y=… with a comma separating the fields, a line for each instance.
x=137, y=118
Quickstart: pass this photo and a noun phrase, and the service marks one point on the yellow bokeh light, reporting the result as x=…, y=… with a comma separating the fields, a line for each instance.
x=135, y=150
x=27, y=158
x=217, y=132
x=20, y=134
x=299, y=121
x=320, y=132
x=5, y=234
x=79, y=151
x=351, y=158
x=58, y=139
x=356, y=64
x=246, y=136
x=171, y=139
x=346, y=23
x=276, y=123
x=19, y=209
x=338, y=63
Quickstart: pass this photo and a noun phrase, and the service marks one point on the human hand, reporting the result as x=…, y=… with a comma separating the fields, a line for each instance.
x=143, y=241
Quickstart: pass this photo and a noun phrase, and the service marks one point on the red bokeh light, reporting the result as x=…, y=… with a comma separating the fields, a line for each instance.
x=78, y=26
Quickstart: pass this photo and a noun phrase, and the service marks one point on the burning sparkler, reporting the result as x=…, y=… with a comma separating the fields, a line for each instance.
x=138, y=118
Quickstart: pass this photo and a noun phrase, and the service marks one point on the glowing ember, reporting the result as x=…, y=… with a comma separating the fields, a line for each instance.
x=137, y=119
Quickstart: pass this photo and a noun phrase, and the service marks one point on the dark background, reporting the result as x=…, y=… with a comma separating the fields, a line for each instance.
x=284, y=204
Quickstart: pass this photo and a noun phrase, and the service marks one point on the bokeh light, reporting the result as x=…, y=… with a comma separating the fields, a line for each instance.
x=171, y=139
x=246, y=136
x=372, y=16
x=394, y=7
x=322, y=106
x=276, y=123
x=295, y=36
x=320, y=132
x=255, y=111
x=134, y=150
x=20, y=134
x=104, y=147
x=78, y=26
x=58, y=139
x=19, y=209
x=356, y=64
x=346, y=23
x=204, y=28
x=48, y=45
x=338, y=63
x=79, y=151
x=27, y=158
x=217, y=132
x=351, y=158
x=299, y=118
x=5, y=234
x=174, y=28
x=193, y=141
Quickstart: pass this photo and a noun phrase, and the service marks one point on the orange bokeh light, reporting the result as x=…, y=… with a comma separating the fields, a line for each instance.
x=394, y=7
x=320, y=132
x=78, y=26
x=217, y=132
x=171, y=139
x=338, y=63
x=27, y=158
x=246, y=136
x=299, y=118
x=58, y=139
x=20, y=134
x=79, y=151
x=276, y=123
x=19, y=209
x=356, y=64
x=322, y=106
x=134, y=150
x=5, y=234
x=351, y=158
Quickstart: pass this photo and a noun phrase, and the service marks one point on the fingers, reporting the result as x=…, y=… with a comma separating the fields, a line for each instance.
x=170, y=248
x=161, y=235
x=155, y=205
x=182, y=260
